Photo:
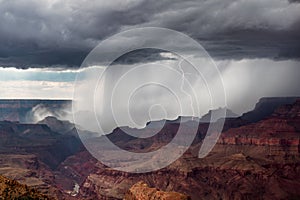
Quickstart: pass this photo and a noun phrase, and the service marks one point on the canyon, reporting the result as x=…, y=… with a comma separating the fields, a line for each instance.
x=256, y=157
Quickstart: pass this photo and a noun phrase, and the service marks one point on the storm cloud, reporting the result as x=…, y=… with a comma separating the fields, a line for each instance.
x=61, y=33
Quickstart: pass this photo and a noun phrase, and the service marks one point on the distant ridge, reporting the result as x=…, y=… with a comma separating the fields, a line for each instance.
x=266, y=106
x=19, y=109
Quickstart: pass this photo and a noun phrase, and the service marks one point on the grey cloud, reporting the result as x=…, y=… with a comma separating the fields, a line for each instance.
x=141, y=56
x=61, y=33
x=294, y=1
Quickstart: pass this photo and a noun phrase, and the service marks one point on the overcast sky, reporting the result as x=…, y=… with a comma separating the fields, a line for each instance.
x=57, y=33
x=254, y=43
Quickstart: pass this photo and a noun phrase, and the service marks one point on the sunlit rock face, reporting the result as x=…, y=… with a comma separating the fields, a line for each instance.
x=141, y=190
x=11, y=189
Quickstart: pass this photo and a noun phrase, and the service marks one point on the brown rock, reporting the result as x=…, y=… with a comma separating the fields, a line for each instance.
x=11, y=189
x=141, y=191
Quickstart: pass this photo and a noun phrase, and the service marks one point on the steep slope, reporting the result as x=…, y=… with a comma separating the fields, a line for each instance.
x=266, y=106
x=51, y=147
x=59, y=126
x=30, y=153
x=253, y=161
x=10, y=189
x=279, y=132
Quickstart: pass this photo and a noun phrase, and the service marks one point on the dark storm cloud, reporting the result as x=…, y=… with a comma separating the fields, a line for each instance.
x=61, y=33
x=141, y=56
x=294, y=1
x=238, y=44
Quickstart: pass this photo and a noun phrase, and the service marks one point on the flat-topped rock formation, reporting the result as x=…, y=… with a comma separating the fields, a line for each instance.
x=141, y=191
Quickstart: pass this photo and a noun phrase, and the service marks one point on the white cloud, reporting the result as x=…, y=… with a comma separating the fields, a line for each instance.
x=248, y=80
x=36, y=90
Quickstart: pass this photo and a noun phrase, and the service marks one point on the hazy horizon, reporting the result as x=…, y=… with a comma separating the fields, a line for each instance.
x=253, y=45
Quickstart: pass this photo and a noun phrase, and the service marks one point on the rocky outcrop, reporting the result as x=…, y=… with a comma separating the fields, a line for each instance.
x=250, y=161
x=59, y=126
x=30, y=154
x=11, y=189
x=141, y=191
x=225, y=174
x=218, y=112
x=266, y=106
x=280, y=129
x=52, y=148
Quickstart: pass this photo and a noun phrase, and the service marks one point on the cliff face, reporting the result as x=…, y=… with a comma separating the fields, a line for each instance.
x=30, y=153
x=10, y=189
x=252, y=160
x=141, y=191
x=225, y=175
x=280, y=130
x=266, y=106
x=51, y=147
